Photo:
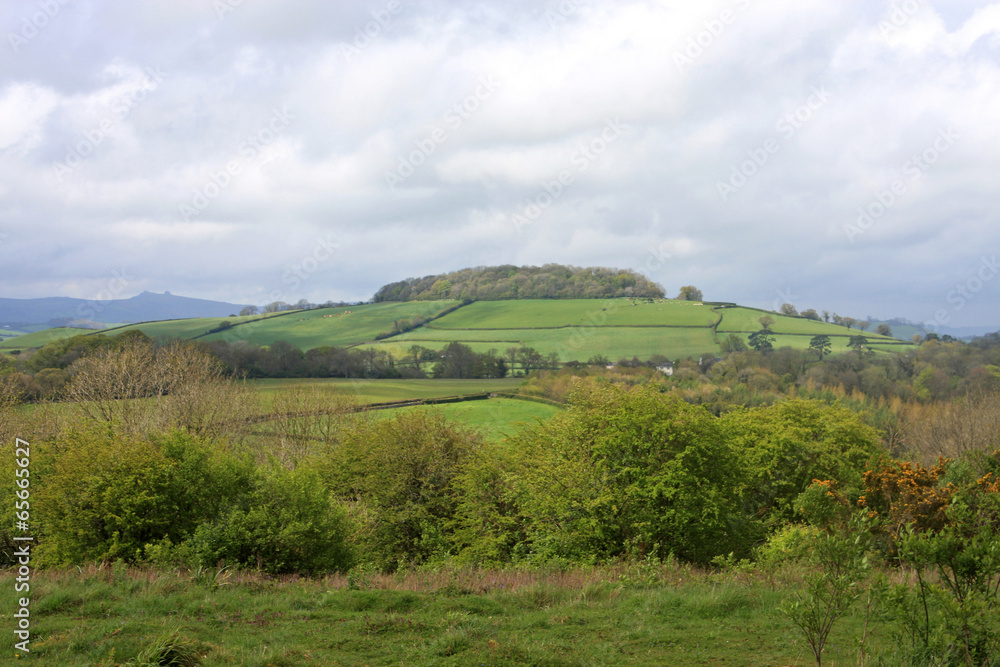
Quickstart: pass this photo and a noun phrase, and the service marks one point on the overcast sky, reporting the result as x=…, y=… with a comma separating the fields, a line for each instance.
x=835, y=154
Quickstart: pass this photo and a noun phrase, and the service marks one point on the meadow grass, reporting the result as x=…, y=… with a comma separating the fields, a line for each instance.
x=569, y=344
x=40, y=338
x=638, y=615
x=339, y=327
x=382, y=391
x=530, y=313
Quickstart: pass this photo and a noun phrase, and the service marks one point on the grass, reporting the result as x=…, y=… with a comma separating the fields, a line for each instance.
x=532, y=313
x=496, y=418
x=382, y=391
x=570, y=344
x=638, y=615
x=340, y=327
x=40, y=338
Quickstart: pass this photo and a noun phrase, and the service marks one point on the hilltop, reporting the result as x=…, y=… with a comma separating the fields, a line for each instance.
x=498, y=283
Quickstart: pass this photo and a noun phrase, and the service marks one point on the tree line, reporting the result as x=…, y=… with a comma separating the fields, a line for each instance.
x=551, y=281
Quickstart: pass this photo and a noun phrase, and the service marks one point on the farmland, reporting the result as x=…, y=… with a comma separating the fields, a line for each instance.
x=572, y=329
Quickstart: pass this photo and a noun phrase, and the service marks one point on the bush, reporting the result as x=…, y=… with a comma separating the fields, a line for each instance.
x=630, y=472
x=399, y=474
x=104, y=496
x=286, y=523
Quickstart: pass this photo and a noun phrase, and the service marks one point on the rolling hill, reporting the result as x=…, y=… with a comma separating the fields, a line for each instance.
x=574, y=329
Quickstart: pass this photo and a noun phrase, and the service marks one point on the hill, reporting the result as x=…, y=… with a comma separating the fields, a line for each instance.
x=62, y=311
x=573, y=329
x=494, y=283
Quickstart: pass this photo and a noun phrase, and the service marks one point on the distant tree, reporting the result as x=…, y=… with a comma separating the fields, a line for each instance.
x=948, y=338
x=418, y=355
x=733, y=343
x=303, y=304
x=826, y=316
x=762, y=341
x=810, y=314
x=765, y=322
x=456, y=361
x=598, y=360
x=917, y=338
x=820, y=345
x=931, y=336
x=248, y=310
x=883, y=330
x=857, y=343
x=788, y=309
x=848, y=321
x=275, y=307
x=863, y=325
x=689, y=293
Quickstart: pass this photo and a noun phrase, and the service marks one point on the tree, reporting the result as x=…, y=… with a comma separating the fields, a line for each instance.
x=765, y=321
x=883, y=330
x=762, y=341
x=863, y=325
x=820, y=345
x=857, y=343
x=689, y=293
x=248, y=310
x=848, y=321
x=810, y=314
x=275, y=306
x=734, y=343
x=788, y=309
x=826, y=316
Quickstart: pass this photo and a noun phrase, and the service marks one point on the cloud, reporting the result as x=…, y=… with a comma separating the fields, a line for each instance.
x=166, y=97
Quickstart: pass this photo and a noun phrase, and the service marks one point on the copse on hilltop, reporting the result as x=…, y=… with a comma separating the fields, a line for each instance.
x=495, y=283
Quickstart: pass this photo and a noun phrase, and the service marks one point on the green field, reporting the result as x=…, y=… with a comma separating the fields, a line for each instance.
x=384, y=391
x=571, y=344
x=656, y=615
x=747, y=319
x=40, y=338
x=534, y=313
x=191, y=328
x=495, y=417
x=340, y=327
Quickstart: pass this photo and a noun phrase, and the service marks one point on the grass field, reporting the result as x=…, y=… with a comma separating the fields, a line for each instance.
x=187, y=329
x=383, y=391
x=532, y=313
x=496, y=418
x=747, y=319
x=40, y=338
x=653, y=616
x=339, y=327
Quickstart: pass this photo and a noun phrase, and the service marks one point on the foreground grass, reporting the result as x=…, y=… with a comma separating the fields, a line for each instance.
x=608, y=616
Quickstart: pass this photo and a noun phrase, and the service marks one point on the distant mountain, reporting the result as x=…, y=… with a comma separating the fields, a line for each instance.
x=498, y=283
x=62, y=311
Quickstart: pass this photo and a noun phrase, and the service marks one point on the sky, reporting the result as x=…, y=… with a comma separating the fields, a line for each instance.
x=841, y=155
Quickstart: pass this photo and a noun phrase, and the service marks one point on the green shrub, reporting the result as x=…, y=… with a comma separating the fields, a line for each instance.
x=630, y=472
x=287, y=522
x=106, y=496
x=399, y=475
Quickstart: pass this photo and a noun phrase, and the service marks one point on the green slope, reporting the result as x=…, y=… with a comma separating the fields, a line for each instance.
x=535, y=313
x=40, y=338
x=338, y=327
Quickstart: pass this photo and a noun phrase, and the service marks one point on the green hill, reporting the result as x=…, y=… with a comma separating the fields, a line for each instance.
x=573, y=329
